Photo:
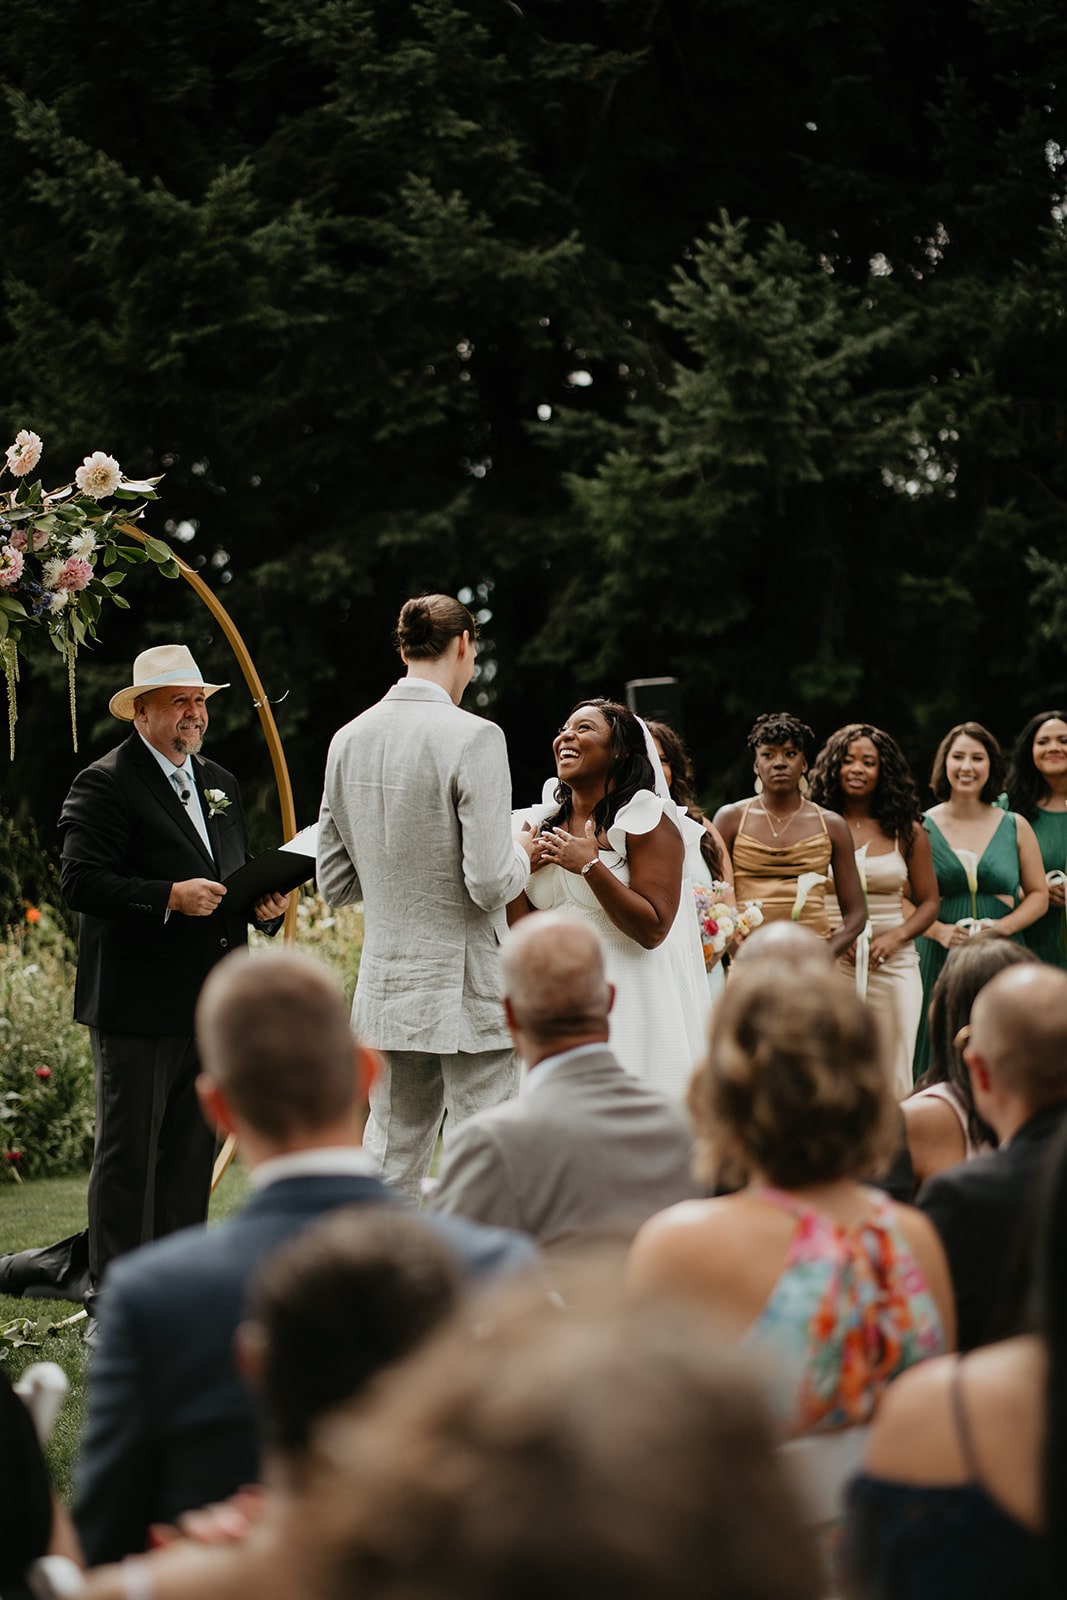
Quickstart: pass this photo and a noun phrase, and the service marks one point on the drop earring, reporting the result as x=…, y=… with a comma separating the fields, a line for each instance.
x=757, y=787
x=804, y=786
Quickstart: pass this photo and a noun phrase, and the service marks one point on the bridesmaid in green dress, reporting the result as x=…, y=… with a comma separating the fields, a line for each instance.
x=1037, y=790
x=998, y=882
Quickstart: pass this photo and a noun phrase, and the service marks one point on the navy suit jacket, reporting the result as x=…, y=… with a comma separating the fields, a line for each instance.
x=171, y=1425
x=126, y=839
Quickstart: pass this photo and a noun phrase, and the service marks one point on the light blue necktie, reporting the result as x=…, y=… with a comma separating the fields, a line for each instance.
x=184, y=786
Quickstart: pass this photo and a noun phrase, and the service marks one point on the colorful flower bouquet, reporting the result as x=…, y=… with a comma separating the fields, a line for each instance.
x=722, y=926
x=52, y=544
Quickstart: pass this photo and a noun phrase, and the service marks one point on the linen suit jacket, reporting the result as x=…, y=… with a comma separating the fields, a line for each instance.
x=171, y=1426
x=986, y=1211
x=126, y=839
x=590, y=1151
x=416, y=823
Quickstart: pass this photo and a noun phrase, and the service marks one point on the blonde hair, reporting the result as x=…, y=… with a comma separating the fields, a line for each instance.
x=795, y=1083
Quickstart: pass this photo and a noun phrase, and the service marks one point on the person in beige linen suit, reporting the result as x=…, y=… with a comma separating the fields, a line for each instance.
x=587, y=1151
x=415, y=822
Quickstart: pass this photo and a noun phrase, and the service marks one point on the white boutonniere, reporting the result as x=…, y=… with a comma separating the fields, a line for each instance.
x=218, y=801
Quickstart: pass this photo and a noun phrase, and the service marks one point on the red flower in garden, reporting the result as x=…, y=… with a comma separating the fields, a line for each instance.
x=14, y=1156
x=43, y=1072
x=32, y=914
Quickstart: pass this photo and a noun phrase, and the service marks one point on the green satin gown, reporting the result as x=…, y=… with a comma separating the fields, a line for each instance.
x=998, y=873
x=1047, y=937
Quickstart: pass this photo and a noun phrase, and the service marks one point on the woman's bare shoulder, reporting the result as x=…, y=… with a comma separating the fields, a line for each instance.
x=935, y=1135
x=684, y=1242
x=913, y=1437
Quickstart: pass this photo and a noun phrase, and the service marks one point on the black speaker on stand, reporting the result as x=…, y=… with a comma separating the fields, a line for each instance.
x=657, y=700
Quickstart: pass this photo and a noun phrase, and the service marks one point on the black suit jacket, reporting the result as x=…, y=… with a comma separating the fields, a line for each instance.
x=171, y=1426
x=126, y=839
x=986, y=1212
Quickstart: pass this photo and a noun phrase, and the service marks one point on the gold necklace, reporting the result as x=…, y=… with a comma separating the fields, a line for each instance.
x=792, y=818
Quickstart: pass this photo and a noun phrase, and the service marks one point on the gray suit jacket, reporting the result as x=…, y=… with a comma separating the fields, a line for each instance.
x=587, y=1151
x=416, y=823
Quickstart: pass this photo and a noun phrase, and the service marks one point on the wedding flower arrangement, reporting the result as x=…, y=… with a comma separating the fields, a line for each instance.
x=722, y=925
x=53, y=545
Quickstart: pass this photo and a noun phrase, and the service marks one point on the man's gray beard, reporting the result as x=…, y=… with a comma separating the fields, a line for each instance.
x=188, y=744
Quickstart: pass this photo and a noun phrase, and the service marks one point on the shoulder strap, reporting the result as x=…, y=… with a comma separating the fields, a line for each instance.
x=744, y=816
x=963, y=1427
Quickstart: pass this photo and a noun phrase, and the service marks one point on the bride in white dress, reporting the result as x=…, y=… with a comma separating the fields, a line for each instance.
x=610, y=849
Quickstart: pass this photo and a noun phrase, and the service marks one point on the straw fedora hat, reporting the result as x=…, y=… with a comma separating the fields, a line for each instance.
x=159, y=668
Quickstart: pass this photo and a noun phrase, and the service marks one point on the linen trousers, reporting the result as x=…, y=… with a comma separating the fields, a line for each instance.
x=415, y=1091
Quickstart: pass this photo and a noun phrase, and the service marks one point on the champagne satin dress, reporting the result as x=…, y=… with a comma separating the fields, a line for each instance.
x=769, y=874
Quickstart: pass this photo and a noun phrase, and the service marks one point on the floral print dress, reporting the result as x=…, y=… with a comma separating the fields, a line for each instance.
x=849, y=1312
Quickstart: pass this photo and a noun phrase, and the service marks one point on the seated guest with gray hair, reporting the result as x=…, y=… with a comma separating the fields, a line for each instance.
x=586, y=1151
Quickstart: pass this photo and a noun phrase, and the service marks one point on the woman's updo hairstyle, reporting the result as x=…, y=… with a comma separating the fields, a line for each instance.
x=795, y=1085
x=778, y=727
x=428, y=624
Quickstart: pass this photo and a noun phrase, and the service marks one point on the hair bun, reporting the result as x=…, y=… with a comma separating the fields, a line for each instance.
x=415, y=626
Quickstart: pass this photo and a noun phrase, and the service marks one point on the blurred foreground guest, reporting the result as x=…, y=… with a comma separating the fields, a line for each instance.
x=586, y=1151
x=839, y=1287
x=614, y=1451
x=32, y=1521
x=171, y=1426
x=964, y=1491
x=860, y=772
x=356, y=1292
x=785, y=941
x=942, y=1124
x=1037, y=790
x=985, y=1210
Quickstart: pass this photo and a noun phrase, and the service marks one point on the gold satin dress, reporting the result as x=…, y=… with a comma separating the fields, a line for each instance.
x=769, y=873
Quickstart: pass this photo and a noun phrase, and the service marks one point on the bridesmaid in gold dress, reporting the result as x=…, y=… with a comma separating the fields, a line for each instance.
x=780, y=838
x=861, y=773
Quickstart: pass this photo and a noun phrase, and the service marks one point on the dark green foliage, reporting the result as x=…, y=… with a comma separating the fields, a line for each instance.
x=29, y=878
x=321, y=266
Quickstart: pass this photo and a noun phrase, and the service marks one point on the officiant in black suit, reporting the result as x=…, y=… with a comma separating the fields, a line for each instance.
x=148, y=832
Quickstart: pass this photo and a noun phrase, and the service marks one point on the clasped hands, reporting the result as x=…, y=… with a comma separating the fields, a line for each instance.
x=558, y=848
x=883, y=948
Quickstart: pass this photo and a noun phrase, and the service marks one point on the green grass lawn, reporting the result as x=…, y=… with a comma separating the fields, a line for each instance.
x=39, y=1213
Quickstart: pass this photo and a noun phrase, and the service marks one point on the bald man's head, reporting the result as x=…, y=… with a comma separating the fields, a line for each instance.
x=784, y=941
x=1019, y=1029
x=554, y=981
